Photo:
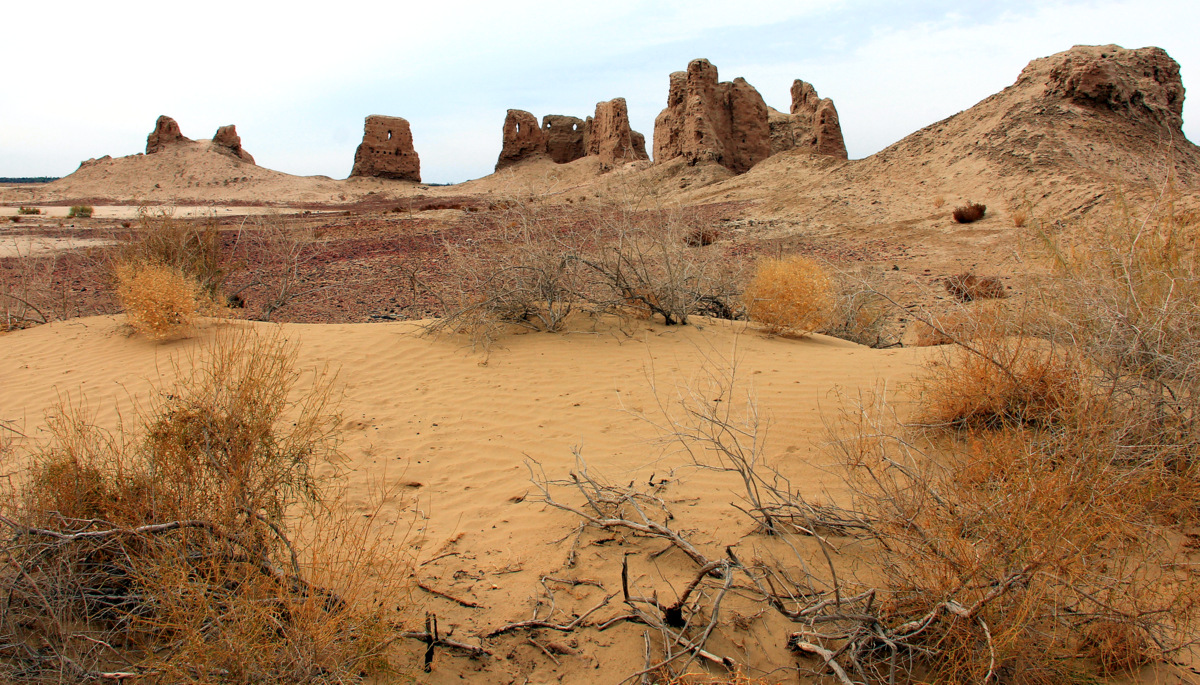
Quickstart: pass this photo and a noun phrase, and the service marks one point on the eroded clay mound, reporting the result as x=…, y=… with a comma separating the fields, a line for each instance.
x=728, y=123
x=226, y=140
x=710, y=121
x=166, y=133
x=811, y=125
x=1142, y=83
x=610, y=138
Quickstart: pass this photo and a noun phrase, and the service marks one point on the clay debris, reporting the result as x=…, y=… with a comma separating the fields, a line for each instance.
x=166, y=132
x=606, y=135
x=387, y=150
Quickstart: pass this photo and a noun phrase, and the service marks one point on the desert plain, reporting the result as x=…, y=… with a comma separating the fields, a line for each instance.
x=457, y=442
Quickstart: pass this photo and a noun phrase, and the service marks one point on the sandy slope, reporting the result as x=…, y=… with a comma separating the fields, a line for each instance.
x=195, y=173
x=463, y=425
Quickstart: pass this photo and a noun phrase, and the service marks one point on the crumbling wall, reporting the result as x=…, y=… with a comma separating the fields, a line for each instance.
x=710, y=121
x=387, y=150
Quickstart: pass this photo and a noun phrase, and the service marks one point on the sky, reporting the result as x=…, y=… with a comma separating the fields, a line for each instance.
x=87, y=79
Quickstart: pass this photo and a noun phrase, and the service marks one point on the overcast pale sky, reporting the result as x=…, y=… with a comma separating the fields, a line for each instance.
x=86, y=79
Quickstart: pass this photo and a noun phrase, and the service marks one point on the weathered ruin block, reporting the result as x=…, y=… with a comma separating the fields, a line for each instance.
x=710, y=121
x=811, y=126
x=228, y=141
x=523, y=139
x=609, y=136
x=166, y=132
x=387, y=150
x=564, y=137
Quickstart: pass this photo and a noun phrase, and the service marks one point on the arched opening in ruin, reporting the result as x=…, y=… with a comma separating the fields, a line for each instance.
x=389, y=135
x=518, y=128
x=574, y=127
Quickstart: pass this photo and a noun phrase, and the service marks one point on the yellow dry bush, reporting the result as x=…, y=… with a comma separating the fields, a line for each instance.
x=160, y=301
x=199, y=543
x=792, y=294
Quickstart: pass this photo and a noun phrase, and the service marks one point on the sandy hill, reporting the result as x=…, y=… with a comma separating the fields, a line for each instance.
x=196, y=172
x=1074, y=127
x=1073, y=130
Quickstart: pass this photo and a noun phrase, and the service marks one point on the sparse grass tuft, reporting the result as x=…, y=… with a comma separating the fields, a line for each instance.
x=1020, y=217
x=969, y=213
x=792, y=294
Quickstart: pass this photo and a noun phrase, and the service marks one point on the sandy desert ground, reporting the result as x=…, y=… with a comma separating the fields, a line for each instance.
x=455, y=435
x=461, y=429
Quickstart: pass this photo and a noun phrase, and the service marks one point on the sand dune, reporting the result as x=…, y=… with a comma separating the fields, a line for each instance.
x=460, y=427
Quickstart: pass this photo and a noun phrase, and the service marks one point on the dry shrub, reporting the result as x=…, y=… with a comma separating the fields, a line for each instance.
x=534, y=267
x=1000, y=381
x=1127, y=297
x=792, y=294
x=191, y=246
x=1018, y=550
x=641, y=256
x=934, y=333
x=160, y=301
x=861, y=313
x=80, y=211
x=969, y=213
x=939, y=201
x=966, y=287
x=282, y=257
x=205, y=549
x=701, y=236
x=1033, y=517
x=28, y=210
x=524, y=274
x=1118, y=647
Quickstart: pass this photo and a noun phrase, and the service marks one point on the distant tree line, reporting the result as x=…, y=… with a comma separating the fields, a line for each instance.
x=28, y=179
